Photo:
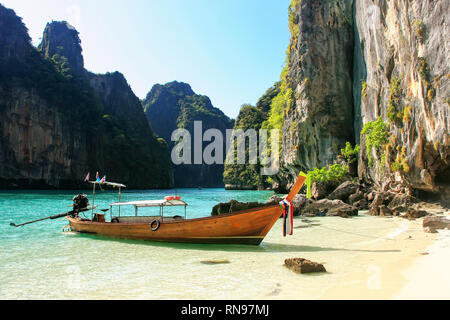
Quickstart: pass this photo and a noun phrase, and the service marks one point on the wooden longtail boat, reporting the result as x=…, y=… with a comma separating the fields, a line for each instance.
x=243, y=227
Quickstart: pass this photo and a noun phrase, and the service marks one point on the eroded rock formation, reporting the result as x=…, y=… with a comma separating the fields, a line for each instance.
x=351, y=63
x=58, y=121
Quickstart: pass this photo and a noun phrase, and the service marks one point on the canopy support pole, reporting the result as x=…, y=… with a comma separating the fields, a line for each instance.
x=119, y=199
x=93, y=201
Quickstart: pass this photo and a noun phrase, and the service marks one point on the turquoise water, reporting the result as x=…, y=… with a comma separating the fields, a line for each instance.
x=41, y=248
x=39, y=261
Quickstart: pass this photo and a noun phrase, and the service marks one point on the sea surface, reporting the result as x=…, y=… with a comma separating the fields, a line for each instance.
x=40, y=261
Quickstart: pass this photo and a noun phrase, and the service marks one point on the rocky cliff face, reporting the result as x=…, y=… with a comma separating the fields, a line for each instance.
x=401, y=74
x=175, y=105
x=57, y=121
x=351, y=63
x=61, y=39
x=129, y=144
x=319, y=73
x=40, y=144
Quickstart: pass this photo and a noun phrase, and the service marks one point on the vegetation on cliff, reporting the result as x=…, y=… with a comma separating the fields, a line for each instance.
x=49, y=88
x=377, y=136
x=244, y=175
x=175, y=105
x=248, y=176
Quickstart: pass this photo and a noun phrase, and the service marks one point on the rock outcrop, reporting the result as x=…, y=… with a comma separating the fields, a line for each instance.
x=344, y=191
x=375, y=73
x=329, y=208
x=235, y=206
x=300, y=265
x=319, y=72
x=413, y=214
x=56, y=124
x=175, y=105
x=401, y=74
x=431, y=224
x=60, y=39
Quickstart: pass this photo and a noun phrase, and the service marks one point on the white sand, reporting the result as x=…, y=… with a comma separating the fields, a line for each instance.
x=420, y=270
x=429, y=276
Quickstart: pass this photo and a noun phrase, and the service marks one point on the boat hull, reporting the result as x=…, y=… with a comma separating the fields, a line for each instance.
x=244, y=227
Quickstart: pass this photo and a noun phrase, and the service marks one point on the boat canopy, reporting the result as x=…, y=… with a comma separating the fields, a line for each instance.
x=112, y=184
x=152, y=203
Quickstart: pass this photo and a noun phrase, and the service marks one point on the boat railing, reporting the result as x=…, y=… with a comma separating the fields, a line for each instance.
x=161, y=204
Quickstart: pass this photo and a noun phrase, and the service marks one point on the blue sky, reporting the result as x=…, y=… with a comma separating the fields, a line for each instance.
x=229, y=50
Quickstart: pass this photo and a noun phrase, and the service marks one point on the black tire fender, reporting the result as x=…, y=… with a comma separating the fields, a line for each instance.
x=115, y=220
x=154, y=225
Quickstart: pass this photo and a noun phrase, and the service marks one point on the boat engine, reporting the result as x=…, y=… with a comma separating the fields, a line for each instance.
x=80, y=202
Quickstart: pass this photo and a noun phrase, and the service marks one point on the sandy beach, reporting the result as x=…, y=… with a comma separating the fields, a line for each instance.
x=418, y=271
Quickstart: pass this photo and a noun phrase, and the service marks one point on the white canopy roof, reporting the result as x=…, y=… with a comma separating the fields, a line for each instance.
x=152, y=203
x=112, y=184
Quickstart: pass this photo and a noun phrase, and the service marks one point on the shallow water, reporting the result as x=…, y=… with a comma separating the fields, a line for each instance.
x=39, y=261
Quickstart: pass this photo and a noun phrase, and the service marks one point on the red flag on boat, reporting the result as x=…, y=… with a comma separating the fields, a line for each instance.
x=87, y=177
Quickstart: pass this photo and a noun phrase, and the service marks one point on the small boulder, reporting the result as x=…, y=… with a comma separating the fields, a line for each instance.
x=371, y=196
x=344, y=191
x=300, y=265
x=381, y=199
x=358, y=196
x=299, y=203
x=234, y=206
x=319, y=190
x=342, y=214
x=400, y=209
x=414, y=214
x=330, y=208
x=385, y=211
x=402, y=200
x=362, y=204
x=429, y=230
x=435, y=223
x=274, y=200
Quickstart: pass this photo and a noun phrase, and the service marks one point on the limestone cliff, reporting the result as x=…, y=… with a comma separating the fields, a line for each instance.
x=319, y=120
x=175, y=105
x=58, y=121
x=372, y=72
x=402, y=74
x=61, y=39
